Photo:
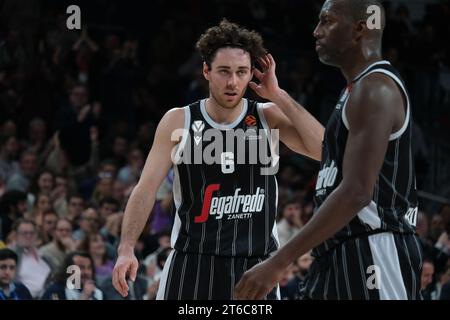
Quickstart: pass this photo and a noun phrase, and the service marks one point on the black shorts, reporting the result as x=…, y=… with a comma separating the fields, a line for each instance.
x=188, y=276
x=382, y=266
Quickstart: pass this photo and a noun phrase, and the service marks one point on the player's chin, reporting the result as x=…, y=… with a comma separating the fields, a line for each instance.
x=326, y=59
x=231, y=102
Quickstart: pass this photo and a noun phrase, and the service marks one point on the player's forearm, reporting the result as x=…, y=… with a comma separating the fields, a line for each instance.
x=334, y=214
x=310, y=130
x=136, y=215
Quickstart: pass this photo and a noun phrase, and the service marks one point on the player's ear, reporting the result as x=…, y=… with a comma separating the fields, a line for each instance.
x=359, y=28
x=206, y=70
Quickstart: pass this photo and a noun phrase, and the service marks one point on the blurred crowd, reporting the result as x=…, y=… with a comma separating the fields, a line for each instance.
x=78, y=111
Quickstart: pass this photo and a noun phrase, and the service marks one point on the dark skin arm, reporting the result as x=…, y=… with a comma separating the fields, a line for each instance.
x=374, y=111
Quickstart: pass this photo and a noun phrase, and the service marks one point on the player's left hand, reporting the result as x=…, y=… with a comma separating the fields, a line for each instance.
x=257, y=282
x=268, y=82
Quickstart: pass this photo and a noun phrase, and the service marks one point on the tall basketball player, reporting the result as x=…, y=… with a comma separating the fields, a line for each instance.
x=363, y=230
x=225, y=209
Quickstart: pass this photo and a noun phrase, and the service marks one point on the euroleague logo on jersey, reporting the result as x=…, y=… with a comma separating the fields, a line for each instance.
x=237, y=206
x=250, y=121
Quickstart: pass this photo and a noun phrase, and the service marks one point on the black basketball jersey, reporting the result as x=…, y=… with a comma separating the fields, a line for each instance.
x=394, y=204
x=225, y=205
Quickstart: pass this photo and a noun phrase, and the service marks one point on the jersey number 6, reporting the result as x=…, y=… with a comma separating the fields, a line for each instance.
x=227, y=161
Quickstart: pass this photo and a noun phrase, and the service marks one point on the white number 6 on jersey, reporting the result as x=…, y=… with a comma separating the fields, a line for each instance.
x=227, y=161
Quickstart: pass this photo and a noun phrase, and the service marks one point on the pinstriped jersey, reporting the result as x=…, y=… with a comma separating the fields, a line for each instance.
x=394, y=203
x=224, y=194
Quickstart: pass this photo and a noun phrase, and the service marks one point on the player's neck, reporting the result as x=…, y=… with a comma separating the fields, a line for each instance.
x=220, y=114
x=354, y=67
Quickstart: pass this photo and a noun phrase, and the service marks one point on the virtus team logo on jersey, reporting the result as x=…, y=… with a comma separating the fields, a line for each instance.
x=326, y=178
x=198, y=127
x=237, y=206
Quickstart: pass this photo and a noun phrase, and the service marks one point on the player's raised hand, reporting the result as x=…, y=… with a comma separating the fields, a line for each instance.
x=257, y=282
x=126, y=264
x=268, y=82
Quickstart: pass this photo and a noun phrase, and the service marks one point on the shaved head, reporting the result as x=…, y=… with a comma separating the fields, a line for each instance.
x=357, y=9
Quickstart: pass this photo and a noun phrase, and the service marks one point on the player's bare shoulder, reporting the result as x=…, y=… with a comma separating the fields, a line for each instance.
x=172, y=125
x=173, y=119
x=378, y=89
x=376, y=93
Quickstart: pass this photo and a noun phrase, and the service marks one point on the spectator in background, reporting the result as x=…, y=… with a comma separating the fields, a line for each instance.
x=294, y=286
x=436, y=227
x=10, y=289
x=288, y=275
x=75, y=208
x=427, y=279
x=37, y=138
x=121, y=192
x=48, y=227
x=95, y=245
x=8, y=128
x=152, y=270
x=89, y=223
x=162, y=256
x=32, y=270
x=12, y=52
x=103, y=188
x=161, y=218
x=44, y=182
x=445, y=290
x=41, y=205
x=119, y=152
x=28, y=166
x=9, y=150
x=438, y=251
x=59, y=290
x=290, y=222
x=76, y=110
x=75, y=153
x=152, y=290
x=130, y=173
x=111, y=228
x=12, y=207
x=62, y=243
x=443, y=243
x=108, y=206
x=59, y=194
x=442, y=279
x=422, y=226
x=2, y=184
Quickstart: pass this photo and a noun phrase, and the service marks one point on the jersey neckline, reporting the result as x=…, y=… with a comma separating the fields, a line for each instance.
x=368, y=68
x=219, y=126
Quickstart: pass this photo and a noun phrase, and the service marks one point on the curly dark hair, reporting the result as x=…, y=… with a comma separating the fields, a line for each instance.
x=228, y=34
